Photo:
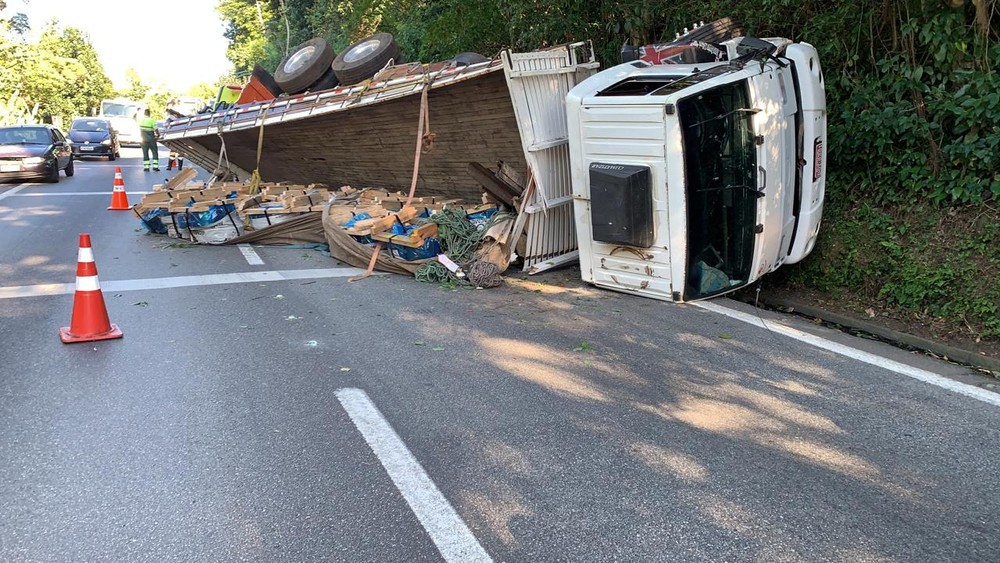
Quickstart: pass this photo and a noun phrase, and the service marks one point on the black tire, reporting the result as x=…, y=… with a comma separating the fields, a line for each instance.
x=53, y=177
x=469, y=58
x=325, y=82
x=112, y=156
x=363, y=59
x=304, y=66
x=69, y=168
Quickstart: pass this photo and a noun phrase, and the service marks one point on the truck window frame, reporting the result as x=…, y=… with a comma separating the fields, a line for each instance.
x=720, y=173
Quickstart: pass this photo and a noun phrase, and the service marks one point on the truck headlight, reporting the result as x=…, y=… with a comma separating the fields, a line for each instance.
x=33, y=160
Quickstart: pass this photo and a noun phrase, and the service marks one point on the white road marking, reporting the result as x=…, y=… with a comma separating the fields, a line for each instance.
x=861, y=356
x=248, y=252
x=446, y=528
x=13, y=191
x=181, y=281
x=63, y=194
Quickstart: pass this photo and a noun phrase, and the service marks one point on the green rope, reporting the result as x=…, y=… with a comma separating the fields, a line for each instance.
x=435, y=272
x=459, y=239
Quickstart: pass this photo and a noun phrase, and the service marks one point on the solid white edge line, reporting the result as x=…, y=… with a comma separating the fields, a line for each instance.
x=252, y=257
x=445, y=527
x=183, y=281
x=859, y=355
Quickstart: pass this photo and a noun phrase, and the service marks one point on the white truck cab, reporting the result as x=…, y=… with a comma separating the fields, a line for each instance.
x=691, y=180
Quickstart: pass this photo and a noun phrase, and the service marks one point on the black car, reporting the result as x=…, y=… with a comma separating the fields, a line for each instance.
x=34, y=151
x=94, y=136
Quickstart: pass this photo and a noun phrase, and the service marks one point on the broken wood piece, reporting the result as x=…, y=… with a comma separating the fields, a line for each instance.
x=480, y=208
x=506, y=173
x=497, y=188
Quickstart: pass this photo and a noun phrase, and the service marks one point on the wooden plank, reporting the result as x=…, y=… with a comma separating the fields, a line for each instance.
x=379, y=224
x=182, y=177
x=413, y=240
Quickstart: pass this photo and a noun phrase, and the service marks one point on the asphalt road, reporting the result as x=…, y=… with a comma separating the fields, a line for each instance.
x=309, y=418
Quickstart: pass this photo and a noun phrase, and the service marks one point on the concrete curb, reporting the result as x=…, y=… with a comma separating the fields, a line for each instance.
x=959, y=355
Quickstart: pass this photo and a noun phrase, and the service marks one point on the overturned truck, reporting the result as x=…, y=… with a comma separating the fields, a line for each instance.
x=698, y=168
x=688, y=171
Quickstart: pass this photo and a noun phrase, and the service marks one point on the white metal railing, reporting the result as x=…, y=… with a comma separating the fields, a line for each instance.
x=538, y=82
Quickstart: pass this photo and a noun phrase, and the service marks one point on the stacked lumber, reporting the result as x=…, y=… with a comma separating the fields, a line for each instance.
x=191, y=197
x=281, y=198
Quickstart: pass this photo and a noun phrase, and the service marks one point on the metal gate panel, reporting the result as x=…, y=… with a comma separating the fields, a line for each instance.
x=538, y=82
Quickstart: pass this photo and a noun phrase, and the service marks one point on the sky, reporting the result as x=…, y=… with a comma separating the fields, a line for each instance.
x=178, y=43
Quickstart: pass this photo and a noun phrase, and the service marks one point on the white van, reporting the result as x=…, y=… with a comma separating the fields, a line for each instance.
x=124, y=115
x=693, y=179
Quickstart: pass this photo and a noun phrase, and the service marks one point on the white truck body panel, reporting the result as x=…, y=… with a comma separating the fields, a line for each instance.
x=538, y=82
x=632, y=121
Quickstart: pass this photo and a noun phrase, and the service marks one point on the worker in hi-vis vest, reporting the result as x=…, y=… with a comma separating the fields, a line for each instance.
x=147, y=126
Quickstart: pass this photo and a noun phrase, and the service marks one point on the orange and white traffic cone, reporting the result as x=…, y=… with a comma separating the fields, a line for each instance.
x=90, y=317
x=119, y=199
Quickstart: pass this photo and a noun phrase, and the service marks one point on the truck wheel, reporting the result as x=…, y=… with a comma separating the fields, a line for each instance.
x=363, y=59
x=69, y=168
x=468, y=58
x=307, y=63
x=325, y=82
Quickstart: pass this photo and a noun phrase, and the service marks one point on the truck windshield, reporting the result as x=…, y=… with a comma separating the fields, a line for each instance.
x=113, y=109
x=720, y=165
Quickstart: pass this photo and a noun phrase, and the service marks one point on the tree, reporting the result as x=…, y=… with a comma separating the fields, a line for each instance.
x=94, y=85
x=135, y=90
x=246, y=31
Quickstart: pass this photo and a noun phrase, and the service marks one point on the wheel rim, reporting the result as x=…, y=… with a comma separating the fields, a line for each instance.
x=299, y=59
x=362, y=50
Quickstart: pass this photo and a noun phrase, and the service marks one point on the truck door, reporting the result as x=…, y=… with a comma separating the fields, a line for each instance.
x=773, y=96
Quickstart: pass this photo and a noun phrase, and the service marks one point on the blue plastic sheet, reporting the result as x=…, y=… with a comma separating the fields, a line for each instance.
x=429, y=249
x=151, y=221
x=350, y=223
x=480, y=219
x=202, y=219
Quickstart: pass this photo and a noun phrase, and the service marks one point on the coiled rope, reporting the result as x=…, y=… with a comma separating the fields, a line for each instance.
x=460, y=239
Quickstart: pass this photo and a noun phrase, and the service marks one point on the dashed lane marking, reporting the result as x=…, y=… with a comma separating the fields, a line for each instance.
x=445, y=527
x=248, y=252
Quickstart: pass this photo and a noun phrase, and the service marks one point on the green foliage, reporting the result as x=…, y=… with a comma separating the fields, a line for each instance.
x=246, y=24
x=911, y=260
x=88, y=88
x=135, y=90
x=57, y=78
x=924, y=122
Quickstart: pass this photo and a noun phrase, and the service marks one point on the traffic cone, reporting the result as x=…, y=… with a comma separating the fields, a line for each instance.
x=119, y=199
x=90, y=317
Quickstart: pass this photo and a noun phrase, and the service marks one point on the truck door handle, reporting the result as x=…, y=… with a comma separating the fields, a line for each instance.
x=763, y=176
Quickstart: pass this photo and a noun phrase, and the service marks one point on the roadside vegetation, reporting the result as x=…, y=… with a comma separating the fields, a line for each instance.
x=55, y=76
x=912, y=226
